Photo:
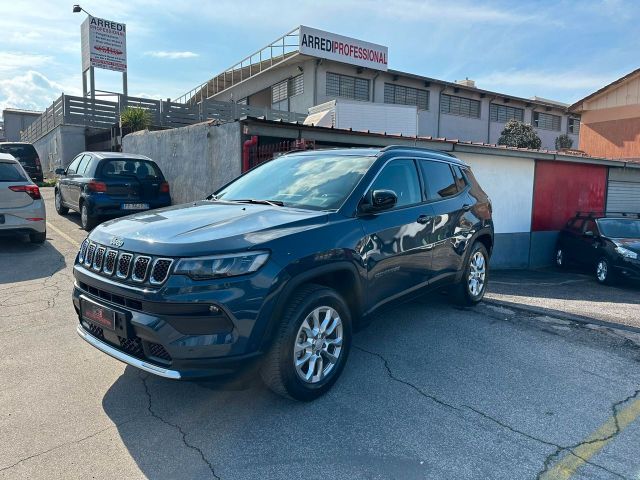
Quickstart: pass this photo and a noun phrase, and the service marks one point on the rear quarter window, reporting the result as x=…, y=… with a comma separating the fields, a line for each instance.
x=10, y=172
x=141, y=169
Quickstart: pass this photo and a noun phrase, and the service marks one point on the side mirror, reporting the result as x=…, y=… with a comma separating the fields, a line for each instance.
x=59, y=171
x=378, y=201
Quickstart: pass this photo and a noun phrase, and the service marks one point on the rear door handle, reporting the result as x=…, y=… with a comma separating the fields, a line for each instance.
x=466, y=207
x=423, y=219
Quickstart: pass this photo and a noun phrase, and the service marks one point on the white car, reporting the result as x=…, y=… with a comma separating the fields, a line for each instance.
x=22, y=208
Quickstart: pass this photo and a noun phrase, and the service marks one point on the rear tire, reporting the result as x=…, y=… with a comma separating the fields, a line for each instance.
x=87, y=221
x=39, y=237
x=604, y=272
x=311, y=345
x=60, y=208
x=471, y=288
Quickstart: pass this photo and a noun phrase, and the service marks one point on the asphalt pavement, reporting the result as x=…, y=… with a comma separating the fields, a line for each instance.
x=430, y=391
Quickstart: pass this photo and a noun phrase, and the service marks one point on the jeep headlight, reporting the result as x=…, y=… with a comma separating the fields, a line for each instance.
x=221, y=266
x=626, y=253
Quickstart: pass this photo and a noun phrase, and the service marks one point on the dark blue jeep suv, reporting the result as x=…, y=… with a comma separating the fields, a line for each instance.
x=281, y=264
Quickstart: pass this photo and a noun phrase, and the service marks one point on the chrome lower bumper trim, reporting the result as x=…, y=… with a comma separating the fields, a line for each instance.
x=128, y=359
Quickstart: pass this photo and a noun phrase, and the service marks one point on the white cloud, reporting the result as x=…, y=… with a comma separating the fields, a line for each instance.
x=31, y=90
x=18, y=61
x=172, y=55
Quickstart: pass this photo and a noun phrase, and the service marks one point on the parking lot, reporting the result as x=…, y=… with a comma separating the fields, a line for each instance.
x=430, y=391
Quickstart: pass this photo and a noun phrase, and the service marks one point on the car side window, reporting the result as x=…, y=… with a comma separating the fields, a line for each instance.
x=401, y=177
x=438, y=180
x=71, y=169
x=461, y=181
x=83, y=164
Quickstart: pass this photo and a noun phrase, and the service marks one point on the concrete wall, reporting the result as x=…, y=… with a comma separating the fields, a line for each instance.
x=196, y=160
x=58, y=147
x=15, y=122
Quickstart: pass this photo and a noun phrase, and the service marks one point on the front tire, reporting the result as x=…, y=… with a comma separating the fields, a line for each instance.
x=87, y=221
x=604, y=272
x=60, y=208
x=311, y=345
x=471, y=288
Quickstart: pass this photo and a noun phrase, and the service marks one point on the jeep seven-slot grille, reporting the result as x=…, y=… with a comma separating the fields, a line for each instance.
x=125, y=266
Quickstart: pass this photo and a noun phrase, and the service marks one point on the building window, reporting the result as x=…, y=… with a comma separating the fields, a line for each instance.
x=465, y=107
x=406, y=96
x=503, y=113
x=287, y=88
x=347, y=87
x=546, y=121
x=573, y=126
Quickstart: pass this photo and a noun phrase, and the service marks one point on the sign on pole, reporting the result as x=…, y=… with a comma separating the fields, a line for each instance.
x=104, y=44
x=321, y=44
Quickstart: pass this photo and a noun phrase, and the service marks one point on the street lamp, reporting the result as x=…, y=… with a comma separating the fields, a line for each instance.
x=78, y=9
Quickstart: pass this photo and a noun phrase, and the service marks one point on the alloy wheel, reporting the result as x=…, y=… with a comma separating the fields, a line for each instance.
x=477, y=274
x=602, y=270
x=58, y=201
x=84, y=216
x=318, y=344
x=559, y=257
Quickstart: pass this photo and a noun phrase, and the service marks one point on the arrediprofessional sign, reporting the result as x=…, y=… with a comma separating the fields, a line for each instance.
x=104, y=44
x=319, y=43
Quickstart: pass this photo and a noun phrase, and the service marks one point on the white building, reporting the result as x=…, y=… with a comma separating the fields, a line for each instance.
x=307, y=67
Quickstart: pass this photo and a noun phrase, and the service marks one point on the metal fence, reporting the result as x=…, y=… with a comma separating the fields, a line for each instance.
x=103, y=114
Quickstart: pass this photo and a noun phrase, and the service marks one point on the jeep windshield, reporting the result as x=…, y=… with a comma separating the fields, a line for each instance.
x=317, y=182
x=619, y=227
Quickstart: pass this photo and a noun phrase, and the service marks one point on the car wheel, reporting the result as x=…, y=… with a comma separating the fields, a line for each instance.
x=87, y=221
x=471, y=288
x=60, y=208
x=38, y=237
x=604, y=272
x=561, y=260
x=311, y=345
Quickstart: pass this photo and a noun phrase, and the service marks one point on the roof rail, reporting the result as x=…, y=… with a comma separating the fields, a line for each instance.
x=420, y=149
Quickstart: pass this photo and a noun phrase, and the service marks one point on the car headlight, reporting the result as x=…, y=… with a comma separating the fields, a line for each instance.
x=626, y=253
x=221, y=266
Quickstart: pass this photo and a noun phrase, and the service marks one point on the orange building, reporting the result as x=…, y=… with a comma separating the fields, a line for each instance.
x=610, y=119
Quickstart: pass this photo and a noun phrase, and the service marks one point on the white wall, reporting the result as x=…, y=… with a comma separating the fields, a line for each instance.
x=509, y=183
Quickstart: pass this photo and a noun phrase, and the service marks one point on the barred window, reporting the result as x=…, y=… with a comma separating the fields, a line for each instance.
x=287, y=88
x=465, y=107
x=401, y=95
x=573, y=126
x=348, y=87
x=503, y=113
x=546, y=121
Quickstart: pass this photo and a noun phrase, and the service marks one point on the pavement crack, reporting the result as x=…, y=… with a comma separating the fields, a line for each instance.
x=391, y=375
x=57, y=447
x=178, y=428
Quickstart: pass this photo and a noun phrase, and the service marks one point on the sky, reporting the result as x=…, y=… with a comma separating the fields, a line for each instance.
x=561, y=50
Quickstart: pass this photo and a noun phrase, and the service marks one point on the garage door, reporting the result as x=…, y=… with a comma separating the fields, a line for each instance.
x=623, y=191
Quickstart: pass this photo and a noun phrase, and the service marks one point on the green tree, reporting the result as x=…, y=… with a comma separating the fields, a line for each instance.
x=518, y=134
x=135, y=118
x=564, y=141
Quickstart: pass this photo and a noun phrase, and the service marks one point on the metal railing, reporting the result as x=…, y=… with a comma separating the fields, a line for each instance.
x=276, y=52
x=103, y=114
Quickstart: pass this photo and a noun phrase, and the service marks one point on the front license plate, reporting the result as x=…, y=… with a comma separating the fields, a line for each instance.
x=135, y=206
x=97, y=314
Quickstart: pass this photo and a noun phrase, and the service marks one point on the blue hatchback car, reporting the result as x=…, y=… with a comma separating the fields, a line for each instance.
x=110, y=184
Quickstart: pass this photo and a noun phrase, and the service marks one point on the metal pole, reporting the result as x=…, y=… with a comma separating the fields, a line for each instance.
x=124, y=84
x=84, y=83
x=92, y=82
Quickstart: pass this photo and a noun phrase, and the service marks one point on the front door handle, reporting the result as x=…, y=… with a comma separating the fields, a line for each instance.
x=466, y=207
x=423, y=219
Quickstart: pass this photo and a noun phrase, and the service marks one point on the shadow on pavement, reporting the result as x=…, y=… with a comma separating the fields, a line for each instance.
x=21, y=260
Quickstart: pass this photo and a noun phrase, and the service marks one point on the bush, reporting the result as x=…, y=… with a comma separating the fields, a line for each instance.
x=518, y=134
x=564, y=142
x=134, y=119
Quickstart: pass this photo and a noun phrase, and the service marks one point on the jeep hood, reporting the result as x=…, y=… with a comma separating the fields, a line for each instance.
x=632, y=244
x=205, y=227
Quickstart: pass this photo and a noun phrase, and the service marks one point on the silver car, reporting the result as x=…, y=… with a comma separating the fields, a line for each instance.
x=22, y=208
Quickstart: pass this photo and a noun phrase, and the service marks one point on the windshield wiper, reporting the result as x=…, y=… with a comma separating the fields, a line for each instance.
x=273, y=203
